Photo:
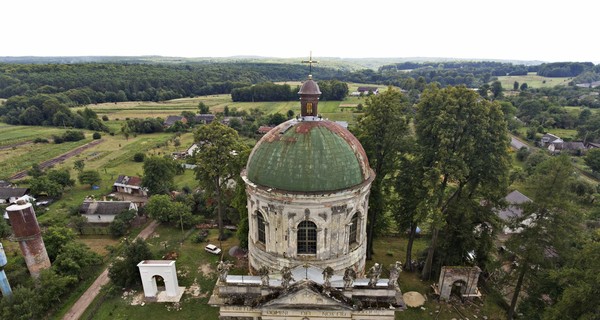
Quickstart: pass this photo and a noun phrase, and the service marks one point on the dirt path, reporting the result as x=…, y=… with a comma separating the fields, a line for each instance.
x=60, y=158
x=88, y=296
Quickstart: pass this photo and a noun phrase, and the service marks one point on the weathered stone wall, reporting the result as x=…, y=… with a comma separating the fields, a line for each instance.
x=332, y=214
x=466, y=277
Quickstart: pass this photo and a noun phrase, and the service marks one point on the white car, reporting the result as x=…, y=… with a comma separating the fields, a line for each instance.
x=212, y=249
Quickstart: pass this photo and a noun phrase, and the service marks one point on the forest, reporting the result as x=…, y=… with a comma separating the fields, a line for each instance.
x=50, y=89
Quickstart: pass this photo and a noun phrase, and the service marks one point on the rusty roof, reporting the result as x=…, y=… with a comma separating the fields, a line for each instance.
x=308, y=156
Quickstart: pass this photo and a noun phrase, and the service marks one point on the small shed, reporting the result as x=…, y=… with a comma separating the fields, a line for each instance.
x=130, y=184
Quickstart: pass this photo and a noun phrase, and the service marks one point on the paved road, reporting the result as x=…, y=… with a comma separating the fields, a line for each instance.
x=517, y=144
x=88, y=296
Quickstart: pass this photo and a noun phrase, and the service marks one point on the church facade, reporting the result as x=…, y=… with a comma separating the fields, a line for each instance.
x=307, y=182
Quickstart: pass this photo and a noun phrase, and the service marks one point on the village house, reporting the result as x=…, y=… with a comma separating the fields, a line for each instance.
x=10, y=194
x=227, y=120
x=131, y=185
x=204, y=118
x=104, y=211
x=172, y=119
x=514, y=209
x=549, y=138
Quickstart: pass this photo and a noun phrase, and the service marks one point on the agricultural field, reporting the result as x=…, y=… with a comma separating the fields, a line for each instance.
x=118, y=112
x=533, y=81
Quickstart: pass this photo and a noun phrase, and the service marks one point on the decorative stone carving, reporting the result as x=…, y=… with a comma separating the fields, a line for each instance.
x=395, y=270
x=286, y=277
x=374, y=274
x=349, y=276
x=264, y=276
x=223, y=269
x=327, y=273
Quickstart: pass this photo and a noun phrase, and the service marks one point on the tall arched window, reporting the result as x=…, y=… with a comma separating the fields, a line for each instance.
x=307, y=237
x=260, y=222
x=353, y=229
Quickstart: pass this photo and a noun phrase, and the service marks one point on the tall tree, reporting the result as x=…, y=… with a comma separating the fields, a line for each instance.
x=408, y=208
x=90, y=177
x=202, y=108
x=548, y=223
x=381, y=130
x=463, y=142
x=219, y=159
x=124, y=272
x=159, y=173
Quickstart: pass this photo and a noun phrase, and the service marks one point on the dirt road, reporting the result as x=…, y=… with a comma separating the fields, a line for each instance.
x=60, y=158
x=88, y=296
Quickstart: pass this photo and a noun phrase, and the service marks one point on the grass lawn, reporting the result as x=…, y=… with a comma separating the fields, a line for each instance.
x=197, y=268
x=533, y=81
x=10, y=134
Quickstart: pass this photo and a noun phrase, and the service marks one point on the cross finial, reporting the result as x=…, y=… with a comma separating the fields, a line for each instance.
x=310, y=61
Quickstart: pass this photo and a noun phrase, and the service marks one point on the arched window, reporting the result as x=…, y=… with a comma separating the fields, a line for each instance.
x=307, y=237
x=260, y=222
x=353, y=229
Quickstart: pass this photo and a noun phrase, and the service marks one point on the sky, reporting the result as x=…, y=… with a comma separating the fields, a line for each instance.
x=548, y=31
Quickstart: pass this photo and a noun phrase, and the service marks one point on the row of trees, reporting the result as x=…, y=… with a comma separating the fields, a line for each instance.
x=452, y=174
x=267, y=91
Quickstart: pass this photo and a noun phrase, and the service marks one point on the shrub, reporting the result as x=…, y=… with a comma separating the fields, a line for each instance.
x=40, y=140
x=96, y=136
x=72, y=135
x=58, y=140
x=104, y=118
x=139, y=157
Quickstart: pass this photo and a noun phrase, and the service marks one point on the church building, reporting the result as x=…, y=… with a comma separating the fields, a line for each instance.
x=308, y=183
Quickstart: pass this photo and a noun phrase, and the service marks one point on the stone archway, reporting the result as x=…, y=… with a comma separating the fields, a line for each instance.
x=151, y=270
x=463, y=279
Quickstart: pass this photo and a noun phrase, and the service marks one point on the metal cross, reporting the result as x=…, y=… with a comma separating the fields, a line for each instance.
x=310, y=61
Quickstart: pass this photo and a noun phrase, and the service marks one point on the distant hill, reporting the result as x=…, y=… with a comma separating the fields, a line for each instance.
x=345, y=64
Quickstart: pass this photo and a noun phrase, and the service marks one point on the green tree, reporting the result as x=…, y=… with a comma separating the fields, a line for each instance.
x=203, y=108
x=523, y=86
x=408, y=208
x=35, y=171
x=463, y=142
x=55, y=238
x=46, y=186
x=5, y=229
x=516, y=86
x=548, y=223
x=592, y=159
x=24, y=304
x=75, y=259
x=79, y=165
x=497, y=89
x=78, y=222
x=90, y=177
x=124, y=272
x=577, y=281
x=381, y=130
x=159, y=174
x=290, y=114
x=220, y=158
x=61, y=176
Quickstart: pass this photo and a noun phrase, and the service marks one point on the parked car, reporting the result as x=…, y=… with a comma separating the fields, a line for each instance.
x=212, y=249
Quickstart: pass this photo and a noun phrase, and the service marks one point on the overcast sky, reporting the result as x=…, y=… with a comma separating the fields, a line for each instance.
x=555, y=30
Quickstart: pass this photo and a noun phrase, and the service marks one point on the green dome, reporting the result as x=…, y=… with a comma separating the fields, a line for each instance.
x=308, y=156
